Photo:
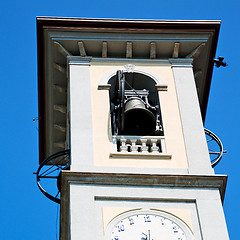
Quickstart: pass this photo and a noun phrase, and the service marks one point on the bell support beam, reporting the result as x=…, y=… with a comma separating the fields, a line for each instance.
x=81, y=119
x=193, y=130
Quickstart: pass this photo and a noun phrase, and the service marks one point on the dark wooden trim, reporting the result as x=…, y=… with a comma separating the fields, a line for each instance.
x=41, y=87
x=64, y=210
x=129, y=23
x=210, y=71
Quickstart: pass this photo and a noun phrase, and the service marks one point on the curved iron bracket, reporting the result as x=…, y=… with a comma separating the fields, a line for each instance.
x=215, y=147
x=50, y=169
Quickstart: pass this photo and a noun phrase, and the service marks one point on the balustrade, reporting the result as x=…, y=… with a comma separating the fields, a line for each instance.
x=136, y=144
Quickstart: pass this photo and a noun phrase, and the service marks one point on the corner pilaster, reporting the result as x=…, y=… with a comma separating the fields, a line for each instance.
x=193, y=130
x=80, y=120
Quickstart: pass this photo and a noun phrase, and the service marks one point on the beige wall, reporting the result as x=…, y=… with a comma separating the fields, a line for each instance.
x=102, y=139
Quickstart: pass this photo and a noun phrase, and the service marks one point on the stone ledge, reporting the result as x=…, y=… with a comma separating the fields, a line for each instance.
x=147, y=180
x=141, y=156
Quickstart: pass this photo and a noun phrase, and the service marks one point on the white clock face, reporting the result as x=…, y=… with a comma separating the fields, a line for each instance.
x=148, y=225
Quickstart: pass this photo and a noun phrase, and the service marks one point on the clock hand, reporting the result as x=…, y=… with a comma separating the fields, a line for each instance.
x=144, y=238
x=149, y=235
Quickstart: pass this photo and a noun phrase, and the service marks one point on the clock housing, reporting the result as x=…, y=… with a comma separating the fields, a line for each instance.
x=148, y=224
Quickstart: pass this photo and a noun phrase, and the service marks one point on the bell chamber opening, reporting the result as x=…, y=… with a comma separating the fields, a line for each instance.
x=134, y=104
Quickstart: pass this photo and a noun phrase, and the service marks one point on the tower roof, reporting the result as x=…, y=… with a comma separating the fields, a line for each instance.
x=58, y=38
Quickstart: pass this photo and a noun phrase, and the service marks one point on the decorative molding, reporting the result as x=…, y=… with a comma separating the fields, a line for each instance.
x=153, y=52
x=62, y=50
x=131, y=60
x=196, y=52
x=60, y=108
x=181, y=62
x=82, y=49
x=176, y=50
x=60, y=68
x=161, y=87
x=147, y=180
x=76, y=60
x=149, y=156
x=103, y=83
x=60, y=89
x=104, y=87
x=129, y=46
x=130, y=67
x=104, y=49
x=60, y=128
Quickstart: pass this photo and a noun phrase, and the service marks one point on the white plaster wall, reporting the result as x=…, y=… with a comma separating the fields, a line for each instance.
x=80, y=116
x=200, y=209
x=193, y=130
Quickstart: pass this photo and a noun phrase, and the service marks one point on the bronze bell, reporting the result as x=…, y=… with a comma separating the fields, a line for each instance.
x=138, y=120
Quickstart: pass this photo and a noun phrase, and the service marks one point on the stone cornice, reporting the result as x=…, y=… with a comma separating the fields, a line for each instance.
x=76, y=60
x=181, y=62
x=147, y=180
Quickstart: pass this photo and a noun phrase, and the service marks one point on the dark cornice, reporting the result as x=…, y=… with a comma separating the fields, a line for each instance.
x=123, y=23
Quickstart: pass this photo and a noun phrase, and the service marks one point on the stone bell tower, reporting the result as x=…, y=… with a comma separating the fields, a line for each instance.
x=125, y=101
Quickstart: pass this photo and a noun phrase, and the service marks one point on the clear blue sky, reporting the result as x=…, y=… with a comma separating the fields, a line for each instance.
x=24, y=212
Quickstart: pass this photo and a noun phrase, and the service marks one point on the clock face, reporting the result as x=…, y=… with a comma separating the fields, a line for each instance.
x=148, y=225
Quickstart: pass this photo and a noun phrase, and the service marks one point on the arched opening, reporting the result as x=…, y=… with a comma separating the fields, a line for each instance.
x=135, y=107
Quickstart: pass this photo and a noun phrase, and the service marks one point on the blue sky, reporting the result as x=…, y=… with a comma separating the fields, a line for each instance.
x=24, y=212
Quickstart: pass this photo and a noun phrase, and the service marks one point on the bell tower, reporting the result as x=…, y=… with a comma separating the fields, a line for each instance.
x=121, y=111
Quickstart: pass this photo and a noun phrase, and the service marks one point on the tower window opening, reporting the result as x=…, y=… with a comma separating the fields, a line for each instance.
x=135, y=107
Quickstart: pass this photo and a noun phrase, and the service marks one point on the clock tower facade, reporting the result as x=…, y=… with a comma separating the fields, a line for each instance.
x=128, y=98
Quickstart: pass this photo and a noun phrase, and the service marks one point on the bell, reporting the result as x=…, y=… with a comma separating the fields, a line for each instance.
x=138, y=120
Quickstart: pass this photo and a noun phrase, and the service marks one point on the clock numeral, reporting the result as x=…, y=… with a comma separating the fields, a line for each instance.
x=131, y=221
x=147, y=218
x=175, y=230
x=120, y=228
x=116, y=238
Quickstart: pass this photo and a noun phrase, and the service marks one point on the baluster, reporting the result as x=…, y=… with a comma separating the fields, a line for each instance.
x=144, y=145
x=134, y=146
x=154, y=148
x=123, y=147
